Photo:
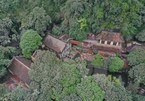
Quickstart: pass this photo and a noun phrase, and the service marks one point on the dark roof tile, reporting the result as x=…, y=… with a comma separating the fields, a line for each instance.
x=54, y=44
x=110, y=36
x=20, y=67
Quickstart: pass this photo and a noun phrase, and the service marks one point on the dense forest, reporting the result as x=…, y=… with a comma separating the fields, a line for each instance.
x=24, y=24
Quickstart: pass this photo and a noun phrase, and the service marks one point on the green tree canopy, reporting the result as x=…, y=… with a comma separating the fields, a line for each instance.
x=8, y=7
x=137, y=73
x=96, y=15
x=44, y=76
x=6, y=54
x=136, y=56
x=3, y=92
x=73, y=23
x=98, y=62
x=37, y=20
x=72, y=97
x=89, y=90
x=115, y=64
x=137, y=97
x=58, y=80
x=18, y=94
x=5, y=29
x=112, y=15
x=30, y=41
x=114, y=90
x=69, y=77
x=141, y=36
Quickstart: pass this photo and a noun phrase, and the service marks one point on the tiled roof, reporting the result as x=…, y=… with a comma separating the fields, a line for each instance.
x=110, y=36
x=20, y=67
x=54, y=44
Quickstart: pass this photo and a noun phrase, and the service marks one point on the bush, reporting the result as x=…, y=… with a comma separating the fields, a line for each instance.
x=30, y=41
x=98, y=61
x=115, y=64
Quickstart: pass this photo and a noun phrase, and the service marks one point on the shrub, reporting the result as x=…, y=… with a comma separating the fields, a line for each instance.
x=115, y=64
x=30, y=41
x=98, y=61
